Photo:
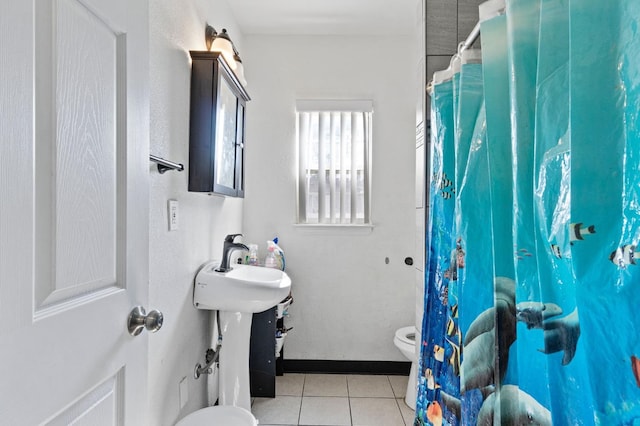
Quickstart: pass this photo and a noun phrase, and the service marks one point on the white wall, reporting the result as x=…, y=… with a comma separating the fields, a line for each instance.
x=175, y=28
x=422, y=205
x=348, y=302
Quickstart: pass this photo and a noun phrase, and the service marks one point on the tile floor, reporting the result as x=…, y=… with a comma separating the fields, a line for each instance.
x=335, y=400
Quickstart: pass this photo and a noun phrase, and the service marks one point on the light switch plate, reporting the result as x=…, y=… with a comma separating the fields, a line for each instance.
x=184, y=392
x=173, y=215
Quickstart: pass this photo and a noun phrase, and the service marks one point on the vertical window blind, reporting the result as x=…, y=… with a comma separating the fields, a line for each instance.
x=334, y=155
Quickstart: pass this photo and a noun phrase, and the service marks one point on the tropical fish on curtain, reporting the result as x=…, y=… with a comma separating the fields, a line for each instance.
x=439, y=370
x=531, y=278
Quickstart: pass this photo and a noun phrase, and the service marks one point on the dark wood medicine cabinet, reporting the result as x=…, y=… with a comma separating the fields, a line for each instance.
x=217, y=122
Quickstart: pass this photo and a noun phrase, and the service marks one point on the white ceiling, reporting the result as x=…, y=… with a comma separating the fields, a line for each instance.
x=324, y=17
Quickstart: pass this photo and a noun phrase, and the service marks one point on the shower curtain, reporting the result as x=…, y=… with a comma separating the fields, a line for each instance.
x=533, y=266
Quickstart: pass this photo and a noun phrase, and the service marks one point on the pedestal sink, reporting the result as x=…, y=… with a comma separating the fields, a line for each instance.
x=237, y=294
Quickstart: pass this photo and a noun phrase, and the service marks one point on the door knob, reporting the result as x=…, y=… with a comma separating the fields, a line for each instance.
x=139, y=320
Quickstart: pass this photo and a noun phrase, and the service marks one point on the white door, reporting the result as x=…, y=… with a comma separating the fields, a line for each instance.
x=74, y=210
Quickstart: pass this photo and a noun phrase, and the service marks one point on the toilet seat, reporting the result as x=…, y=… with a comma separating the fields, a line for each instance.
x=219, y=415
x=407, y=335
x=405, y=341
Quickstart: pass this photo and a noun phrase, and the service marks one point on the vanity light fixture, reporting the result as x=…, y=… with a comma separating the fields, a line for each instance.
x=239, y=70
x=221, y=43
x=210, y=34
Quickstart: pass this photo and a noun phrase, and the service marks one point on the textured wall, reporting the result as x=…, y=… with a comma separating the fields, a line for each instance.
x=348, y=302
x=448, y=23
x=176, y=28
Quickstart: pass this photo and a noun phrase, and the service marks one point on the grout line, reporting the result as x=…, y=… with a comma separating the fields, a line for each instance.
x=457, y=22
x=395, y=398
x=304, y=381
x=370, y=397
x=402, y=389
x=393, y=392
x=400, y=410
x=346, y=378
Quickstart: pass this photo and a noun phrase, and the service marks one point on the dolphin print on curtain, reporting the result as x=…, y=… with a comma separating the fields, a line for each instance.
x=534, y=266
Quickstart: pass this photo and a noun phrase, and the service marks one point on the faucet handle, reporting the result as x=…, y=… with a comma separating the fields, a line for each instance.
x=229, y=238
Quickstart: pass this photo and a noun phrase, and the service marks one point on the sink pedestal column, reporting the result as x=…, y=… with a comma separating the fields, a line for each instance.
x=234, y=359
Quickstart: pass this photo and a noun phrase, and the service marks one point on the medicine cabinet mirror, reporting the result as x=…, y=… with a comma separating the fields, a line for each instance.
x=216, y=139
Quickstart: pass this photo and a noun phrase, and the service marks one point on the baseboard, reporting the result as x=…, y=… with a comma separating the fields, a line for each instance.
x=392, y=368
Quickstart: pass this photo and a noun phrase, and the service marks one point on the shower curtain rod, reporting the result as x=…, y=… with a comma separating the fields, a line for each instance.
x=473, y=36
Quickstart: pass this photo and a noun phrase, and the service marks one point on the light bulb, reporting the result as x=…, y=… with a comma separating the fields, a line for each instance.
x=222, y=44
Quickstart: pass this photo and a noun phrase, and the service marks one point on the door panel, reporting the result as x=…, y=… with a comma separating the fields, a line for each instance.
x=101, y=405
x=74, y=217
x=76, y=210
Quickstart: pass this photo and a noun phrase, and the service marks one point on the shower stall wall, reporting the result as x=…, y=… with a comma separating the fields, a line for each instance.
x=531, y=279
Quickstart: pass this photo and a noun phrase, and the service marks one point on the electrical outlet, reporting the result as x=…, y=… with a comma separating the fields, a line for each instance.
x=184, y=392
x=173, y=215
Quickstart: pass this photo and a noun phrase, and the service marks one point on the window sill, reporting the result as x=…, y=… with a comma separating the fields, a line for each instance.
x=338, y=228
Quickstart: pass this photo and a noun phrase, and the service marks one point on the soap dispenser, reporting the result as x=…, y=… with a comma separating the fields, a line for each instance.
x=270, y=261
x=253, y=254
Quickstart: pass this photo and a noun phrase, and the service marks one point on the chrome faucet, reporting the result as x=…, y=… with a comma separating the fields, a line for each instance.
x=229, y=246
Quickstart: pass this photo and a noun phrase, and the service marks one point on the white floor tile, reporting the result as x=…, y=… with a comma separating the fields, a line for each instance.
x=375, y=412
x=369, y=386
x=399, y=385
x=325, y=385
x=283, y=410
x=321, y=411
x=336, y=400
x=289, y=384
x=407, y=413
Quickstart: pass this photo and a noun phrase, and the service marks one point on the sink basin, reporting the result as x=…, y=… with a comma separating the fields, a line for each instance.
x=237, y=295
x=245, y=288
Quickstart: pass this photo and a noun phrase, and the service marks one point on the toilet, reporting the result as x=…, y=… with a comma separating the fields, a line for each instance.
x=219, y=415
x=405, y=341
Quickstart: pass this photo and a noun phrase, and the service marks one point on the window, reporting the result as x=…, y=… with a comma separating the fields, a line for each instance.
x=334, y=154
